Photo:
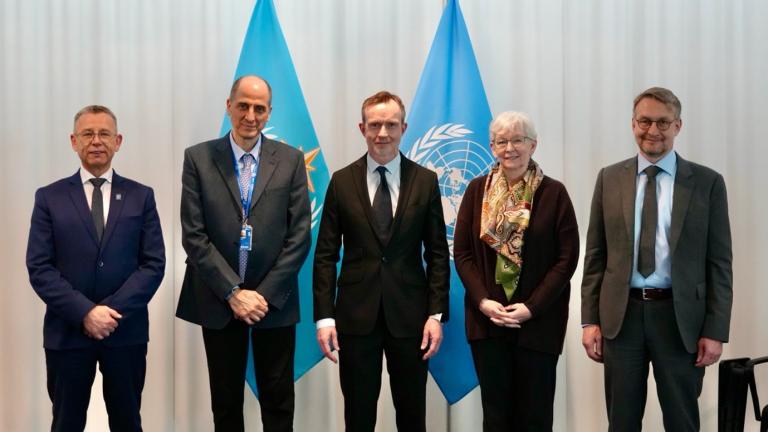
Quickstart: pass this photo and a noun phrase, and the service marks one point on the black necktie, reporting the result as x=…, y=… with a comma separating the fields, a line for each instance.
x=97, y=206
x=646, y=260
x=382, y=205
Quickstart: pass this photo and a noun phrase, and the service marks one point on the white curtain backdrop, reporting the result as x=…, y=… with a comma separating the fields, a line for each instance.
x=165, y=68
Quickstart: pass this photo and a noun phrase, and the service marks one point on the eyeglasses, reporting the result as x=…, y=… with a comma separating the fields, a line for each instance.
x=516, y=142
x=103, y=135
x=661, y=125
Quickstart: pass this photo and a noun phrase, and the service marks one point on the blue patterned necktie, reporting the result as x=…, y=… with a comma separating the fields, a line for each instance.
x=245, y=182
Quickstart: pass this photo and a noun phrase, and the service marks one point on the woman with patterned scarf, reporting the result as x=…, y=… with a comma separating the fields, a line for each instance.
x=516, y=246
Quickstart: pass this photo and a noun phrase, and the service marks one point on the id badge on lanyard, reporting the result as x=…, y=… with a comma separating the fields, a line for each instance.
x=246, y=237
x=246, y=231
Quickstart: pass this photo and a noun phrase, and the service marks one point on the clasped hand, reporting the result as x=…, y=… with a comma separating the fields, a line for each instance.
x=248, y=306
x=100, y=322
x=511, y=316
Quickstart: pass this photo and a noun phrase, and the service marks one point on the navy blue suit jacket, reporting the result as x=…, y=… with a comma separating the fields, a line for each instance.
x=72, y=272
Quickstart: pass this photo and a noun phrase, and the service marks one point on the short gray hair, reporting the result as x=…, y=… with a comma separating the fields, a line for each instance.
x=507, y=120
x=94, y=109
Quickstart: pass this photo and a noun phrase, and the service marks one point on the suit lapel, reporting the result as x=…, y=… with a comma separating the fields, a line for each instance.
x=360, y=176
x=77, y=194
x=627, y=186
x=407, y=173
x=225, y=163
x=683, y=189
x=116, y=201
x=267, y=165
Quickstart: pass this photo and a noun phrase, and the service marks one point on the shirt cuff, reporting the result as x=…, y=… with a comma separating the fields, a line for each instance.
x=231, y=292
x=438, y=317
x=325, y=322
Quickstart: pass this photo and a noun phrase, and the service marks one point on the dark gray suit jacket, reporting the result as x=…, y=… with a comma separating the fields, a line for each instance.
x=700, y=245
x=211, y=218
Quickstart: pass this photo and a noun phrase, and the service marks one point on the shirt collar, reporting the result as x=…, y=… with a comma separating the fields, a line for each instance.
x=392, y=166
x=239, y=152
x=86, y=176
x=668, y=163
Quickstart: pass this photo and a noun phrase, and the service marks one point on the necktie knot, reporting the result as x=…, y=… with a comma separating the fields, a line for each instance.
x=382, y=170
x=247, y=160
x=652, y=171
x=97, y=182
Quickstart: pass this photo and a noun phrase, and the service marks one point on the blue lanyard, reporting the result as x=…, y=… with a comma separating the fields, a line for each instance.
x=246, y=201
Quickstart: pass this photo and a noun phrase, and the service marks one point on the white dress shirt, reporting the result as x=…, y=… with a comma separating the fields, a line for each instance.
x=106, y=189
x=373, y=179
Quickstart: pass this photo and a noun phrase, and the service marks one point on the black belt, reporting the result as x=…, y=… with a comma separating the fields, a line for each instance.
x=651, y=294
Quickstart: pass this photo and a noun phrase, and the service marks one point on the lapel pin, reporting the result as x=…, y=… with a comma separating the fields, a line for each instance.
x=118, y=196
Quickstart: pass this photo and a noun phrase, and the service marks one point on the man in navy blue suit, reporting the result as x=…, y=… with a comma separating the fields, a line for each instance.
x=96, y=257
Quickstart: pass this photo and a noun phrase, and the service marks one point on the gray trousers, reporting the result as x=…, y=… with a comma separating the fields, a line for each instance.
x=650, y=334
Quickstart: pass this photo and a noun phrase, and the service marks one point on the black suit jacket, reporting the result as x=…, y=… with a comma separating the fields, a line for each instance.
x=211, y=218
x=391, y=274
x=699, y=242
x=72, y=272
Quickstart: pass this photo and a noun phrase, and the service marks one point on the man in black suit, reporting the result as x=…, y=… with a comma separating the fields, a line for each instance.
x=245, y=227
x=657, y=284
x=95, y=257
x=386, y=212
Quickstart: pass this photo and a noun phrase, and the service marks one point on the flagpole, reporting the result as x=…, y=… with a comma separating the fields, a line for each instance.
x=447, y=411
x=450, y=407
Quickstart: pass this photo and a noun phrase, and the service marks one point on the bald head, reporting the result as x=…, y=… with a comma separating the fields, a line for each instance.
x=253, y=82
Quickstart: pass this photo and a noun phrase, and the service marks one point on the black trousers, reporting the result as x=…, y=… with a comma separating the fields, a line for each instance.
x=517, y=385
x=227, y=353
x=360, y=364
x=649, y=334
x=70, y=378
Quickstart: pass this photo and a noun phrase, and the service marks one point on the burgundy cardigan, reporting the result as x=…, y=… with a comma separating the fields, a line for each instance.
x=550, y=254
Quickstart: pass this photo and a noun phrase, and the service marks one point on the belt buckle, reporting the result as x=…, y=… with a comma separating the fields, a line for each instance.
x=645, y=296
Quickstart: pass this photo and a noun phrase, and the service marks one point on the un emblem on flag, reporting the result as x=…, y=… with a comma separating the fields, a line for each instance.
x=447, y=150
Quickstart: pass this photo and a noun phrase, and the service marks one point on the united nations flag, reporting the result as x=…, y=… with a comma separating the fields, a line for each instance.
x=448, y=133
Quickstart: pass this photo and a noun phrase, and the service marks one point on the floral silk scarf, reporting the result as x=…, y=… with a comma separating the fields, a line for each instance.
x=505, y=216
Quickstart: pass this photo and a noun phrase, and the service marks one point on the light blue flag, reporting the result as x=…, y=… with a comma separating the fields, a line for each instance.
x=448, y=133
x=266, y=54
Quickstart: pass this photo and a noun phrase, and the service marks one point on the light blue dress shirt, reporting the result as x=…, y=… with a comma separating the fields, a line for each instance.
x=665, y=182
x=239, y=153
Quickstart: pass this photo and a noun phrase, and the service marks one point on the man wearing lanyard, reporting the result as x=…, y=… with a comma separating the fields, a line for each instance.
x=657, y=272
x=246, y=229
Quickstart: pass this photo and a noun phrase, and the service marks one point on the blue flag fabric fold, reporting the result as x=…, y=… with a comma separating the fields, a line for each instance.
x=265, y=53
x=448, y=133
